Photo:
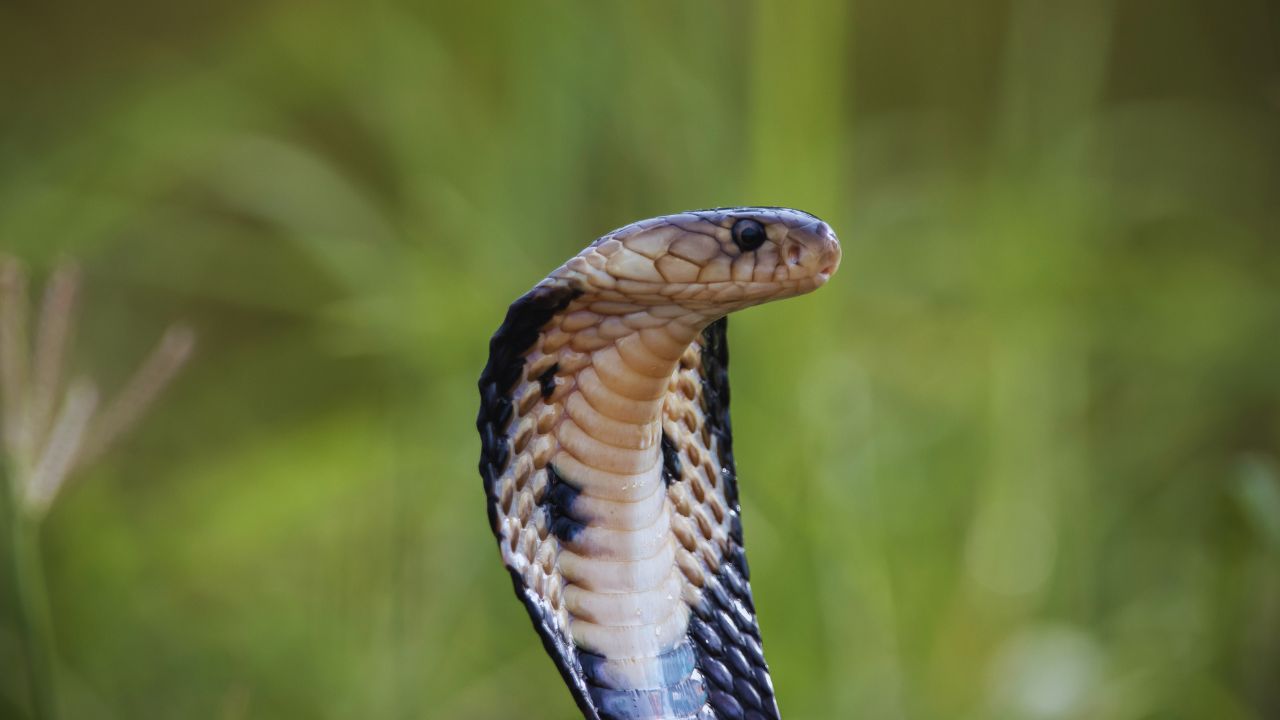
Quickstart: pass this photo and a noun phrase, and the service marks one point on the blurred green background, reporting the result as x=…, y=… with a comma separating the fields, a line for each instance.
x=1018, y=460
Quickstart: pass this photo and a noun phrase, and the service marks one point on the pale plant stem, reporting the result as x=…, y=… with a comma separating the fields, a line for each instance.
x=59, y=454
x=13, y=354
x=151, y=378
x=40, y=450
x=52, y=334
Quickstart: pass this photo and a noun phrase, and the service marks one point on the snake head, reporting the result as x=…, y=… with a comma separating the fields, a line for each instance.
x=712, y=262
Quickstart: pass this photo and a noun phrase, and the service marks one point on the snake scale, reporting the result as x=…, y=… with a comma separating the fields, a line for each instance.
x=607, y=459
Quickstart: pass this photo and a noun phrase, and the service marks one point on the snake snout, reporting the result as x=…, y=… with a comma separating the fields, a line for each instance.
x=814, y=250
x=830, y=260
x=829, y=252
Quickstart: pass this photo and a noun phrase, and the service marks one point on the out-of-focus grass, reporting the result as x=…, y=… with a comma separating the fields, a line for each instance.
x=1019, y=460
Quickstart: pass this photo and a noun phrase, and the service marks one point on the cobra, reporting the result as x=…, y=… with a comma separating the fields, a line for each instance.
x=607, y=459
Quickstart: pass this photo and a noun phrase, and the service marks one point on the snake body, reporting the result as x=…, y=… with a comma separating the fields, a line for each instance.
x=607, y=459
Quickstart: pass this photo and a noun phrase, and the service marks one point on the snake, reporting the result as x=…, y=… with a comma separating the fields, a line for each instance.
x=607, y=459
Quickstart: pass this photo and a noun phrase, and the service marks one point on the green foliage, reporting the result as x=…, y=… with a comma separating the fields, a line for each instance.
x=1018, y=460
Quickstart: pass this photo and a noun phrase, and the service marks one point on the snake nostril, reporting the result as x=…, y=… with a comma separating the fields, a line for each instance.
x=793, y=254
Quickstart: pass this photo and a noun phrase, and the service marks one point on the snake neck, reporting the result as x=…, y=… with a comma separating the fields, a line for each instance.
x=607, y=458
x=612, y=515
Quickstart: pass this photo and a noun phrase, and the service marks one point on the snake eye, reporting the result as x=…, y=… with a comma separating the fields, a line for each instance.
x=748, y=234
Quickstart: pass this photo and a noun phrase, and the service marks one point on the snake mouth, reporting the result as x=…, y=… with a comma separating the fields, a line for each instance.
x=830, y=260
x=825, y=273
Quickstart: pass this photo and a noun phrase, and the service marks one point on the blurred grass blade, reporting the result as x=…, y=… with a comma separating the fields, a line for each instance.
x=13, y=356
x=53, y=331
x=59, y=455
x=170, y=354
